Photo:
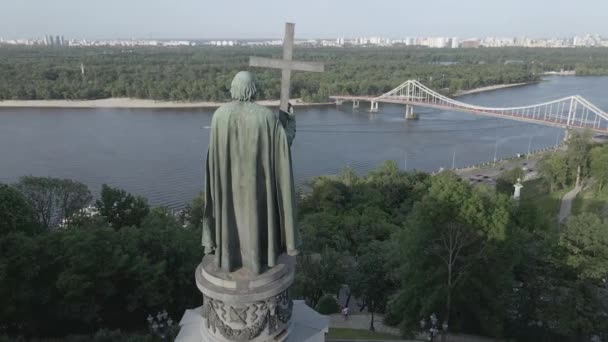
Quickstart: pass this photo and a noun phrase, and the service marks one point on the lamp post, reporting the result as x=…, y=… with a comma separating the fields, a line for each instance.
x=161, y=325
x=433, y=328
x=495, y=151
x=422, y=326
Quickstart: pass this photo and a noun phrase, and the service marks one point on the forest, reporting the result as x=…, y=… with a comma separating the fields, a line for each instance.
x=204, y=73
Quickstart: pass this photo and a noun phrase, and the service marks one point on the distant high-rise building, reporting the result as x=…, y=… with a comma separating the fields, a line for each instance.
x=470, y=43
x=520, y=41
x=438, y=42
x=455, y=43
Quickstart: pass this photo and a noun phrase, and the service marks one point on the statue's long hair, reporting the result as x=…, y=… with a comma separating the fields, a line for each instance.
x=243, y=86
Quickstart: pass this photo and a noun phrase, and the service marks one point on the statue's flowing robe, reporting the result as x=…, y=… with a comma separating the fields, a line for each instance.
x=249, y=209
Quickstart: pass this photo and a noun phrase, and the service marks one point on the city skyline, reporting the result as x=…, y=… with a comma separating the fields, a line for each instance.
x=588, y=40
x=240, y=19
x=480, y=36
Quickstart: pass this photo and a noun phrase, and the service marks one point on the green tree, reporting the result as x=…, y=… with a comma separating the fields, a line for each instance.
x=96, y=277
x=508, y=178
x=451, y=239
x=15, y=212
x=203, y=73
x=21, y=271
x=318, y=274
x=585, y=239
x=578, y=153
x=327, y=305
x=370, y=279
x=599, y=165
x=54, y=200
x=121, y=208
x=557, y=279
x=554, y=169
x=192, y=215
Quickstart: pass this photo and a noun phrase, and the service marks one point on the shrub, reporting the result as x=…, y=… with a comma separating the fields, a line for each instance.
x=327, y=305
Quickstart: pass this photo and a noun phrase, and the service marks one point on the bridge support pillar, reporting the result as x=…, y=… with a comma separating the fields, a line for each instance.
x=374, y=107
x=339, y=102
x=566, y=135
x=409, y=113
x=355, y=104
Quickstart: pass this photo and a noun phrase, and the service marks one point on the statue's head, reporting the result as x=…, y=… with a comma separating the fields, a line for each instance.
x=243, y=86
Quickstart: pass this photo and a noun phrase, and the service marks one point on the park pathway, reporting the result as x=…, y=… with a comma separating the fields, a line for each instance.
x=566, y=206
x=361, y=321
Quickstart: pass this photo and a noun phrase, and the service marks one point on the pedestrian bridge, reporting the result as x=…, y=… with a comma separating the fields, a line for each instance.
x=568, y=112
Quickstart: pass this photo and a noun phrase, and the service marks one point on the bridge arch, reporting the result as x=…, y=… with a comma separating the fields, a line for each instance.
x=568, y=112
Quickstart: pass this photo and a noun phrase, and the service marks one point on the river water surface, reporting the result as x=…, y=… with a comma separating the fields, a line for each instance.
x=159, y=154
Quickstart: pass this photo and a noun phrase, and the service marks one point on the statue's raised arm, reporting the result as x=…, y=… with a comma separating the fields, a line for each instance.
x=288, y=120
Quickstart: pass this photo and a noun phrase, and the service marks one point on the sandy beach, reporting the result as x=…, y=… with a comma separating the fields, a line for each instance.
x=144, y=103
x=488, y=88
x=131, y=103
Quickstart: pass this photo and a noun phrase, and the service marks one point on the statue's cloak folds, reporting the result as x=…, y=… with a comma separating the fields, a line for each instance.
x=249, y=208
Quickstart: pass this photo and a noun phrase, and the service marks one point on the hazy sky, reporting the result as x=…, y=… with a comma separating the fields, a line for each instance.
x=314, y=18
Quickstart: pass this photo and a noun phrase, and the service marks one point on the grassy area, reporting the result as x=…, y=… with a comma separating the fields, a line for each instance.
x=354, y=335
x=537, y=192
x=591, y=200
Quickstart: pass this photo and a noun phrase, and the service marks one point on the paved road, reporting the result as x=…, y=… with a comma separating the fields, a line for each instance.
x=566, y=206
x=489, y=175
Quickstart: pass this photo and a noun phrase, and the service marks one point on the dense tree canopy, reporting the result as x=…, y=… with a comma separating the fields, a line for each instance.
x=598, y=167
x=449, y=240
x=400, y=243
x=54, y=200
x=204, y=73
x=87, y=276
x=120, y=208
x=15, y=213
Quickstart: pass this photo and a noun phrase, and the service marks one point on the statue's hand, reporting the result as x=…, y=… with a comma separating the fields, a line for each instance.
x=286, y=116
x=288, y=121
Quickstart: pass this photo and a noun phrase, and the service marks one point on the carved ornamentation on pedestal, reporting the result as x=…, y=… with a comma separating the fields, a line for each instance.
x=267, y=315
x=243, y=308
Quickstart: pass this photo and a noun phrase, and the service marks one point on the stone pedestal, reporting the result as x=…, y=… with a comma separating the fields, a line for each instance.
x=239, y=306
x=307, y=325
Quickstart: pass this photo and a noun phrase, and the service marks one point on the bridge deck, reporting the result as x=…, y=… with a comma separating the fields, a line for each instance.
x=498, y=113
x=352, y=98
x=568, y=112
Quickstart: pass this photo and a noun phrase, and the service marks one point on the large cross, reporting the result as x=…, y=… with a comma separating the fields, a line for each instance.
x=286, y=64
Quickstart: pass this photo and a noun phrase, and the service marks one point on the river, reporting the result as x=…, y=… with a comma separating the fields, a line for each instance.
x=159, y=154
